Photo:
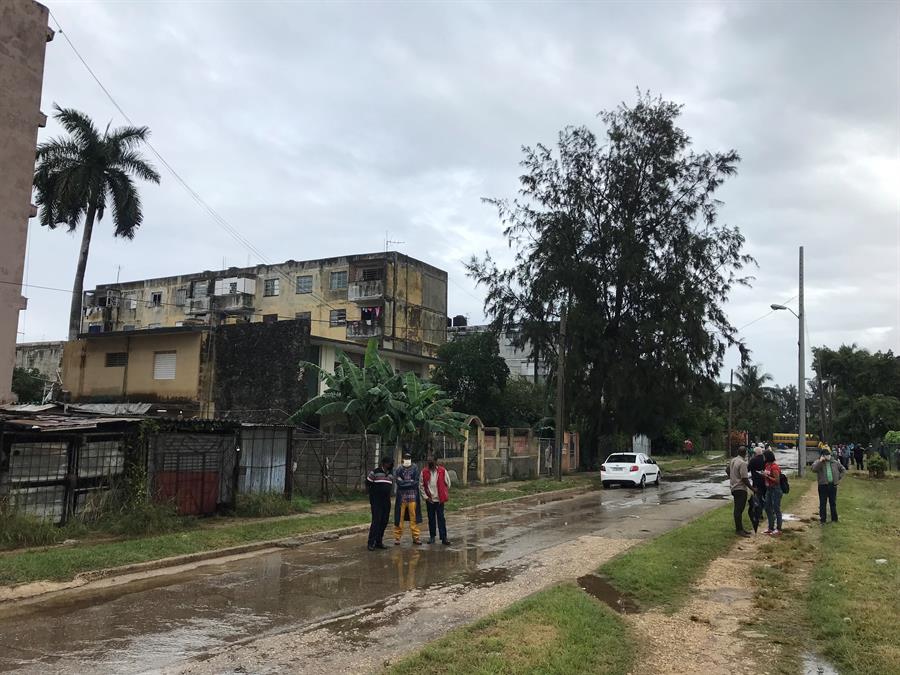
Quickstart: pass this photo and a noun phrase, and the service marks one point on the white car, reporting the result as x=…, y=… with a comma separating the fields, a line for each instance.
x=629, y=468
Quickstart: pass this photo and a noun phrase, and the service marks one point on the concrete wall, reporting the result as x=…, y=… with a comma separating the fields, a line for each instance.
x=23, y=41
x=44, y=356
x=87, y=377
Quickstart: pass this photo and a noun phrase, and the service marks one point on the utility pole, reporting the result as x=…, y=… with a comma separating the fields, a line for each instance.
x=801, y=382
x=730, y=396
x=561, y=389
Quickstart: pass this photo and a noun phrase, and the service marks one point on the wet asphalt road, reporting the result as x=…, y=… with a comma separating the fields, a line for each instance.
x=157, y=623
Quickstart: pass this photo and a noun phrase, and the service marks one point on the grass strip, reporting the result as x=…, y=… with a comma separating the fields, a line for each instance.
x=853, y=603
x=695, y=462
x=64, y=563
x=559, y=630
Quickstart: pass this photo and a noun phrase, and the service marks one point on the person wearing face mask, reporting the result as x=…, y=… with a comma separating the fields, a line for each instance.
x=407, y=505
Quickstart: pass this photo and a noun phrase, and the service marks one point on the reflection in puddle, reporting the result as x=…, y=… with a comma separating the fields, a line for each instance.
x=601, y=589
x=816, y=665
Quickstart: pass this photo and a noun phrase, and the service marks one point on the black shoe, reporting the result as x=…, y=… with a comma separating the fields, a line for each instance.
x=371, y=547
x=445, y=542
x=430, y=540
x=379, y=545
x=743, y=533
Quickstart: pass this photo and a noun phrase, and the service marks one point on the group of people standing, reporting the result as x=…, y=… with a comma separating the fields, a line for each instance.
x=852, y=452
x=760, y=479
x=410, y=487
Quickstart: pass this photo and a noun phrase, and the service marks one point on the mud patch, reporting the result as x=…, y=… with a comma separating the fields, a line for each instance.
x=600, y=588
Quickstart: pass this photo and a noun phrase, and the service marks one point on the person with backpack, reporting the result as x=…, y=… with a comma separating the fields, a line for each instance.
x=772, y=475
x=828, y=473
x=380, y=484
x=436, y=490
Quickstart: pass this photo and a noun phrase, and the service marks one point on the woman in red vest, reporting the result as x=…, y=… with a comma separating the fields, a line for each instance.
x=436, y=490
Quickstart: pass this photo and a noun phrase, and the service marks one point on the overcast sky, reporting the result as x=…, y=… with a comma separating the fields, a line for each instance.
x=314, y=128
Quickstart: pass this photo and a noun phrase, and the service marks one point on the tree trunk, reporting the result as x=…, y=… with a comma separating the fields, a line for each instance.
x=78, y=286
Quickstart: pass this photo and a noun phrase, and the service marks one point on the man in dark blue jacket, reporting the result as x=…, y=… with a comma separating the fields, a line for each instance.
x=407, y=505
x=380, y=483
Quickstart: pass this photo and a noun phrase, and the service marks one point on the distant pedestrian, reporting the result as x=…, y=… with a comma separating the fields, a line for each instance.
x=772, y=475
x=380, y=483
x=407, y=505
x=828, y=473
x=858, y=454
x=741, y=488
x=436, y=490
x=688, y=448
x=756, y=466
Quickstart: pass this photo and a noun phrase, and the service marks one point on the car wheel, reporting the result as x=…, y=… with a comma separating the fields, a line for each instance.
x=606, y=484
x=643, y=482
x=656, y=482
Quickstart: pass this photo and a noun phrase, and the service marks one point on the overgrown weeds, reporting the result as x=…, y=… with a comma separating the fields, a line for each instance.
x=269, y=504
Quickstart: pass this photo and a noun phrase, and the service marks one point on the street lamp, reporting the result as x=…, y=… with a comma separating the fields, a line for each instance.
x=801, y=377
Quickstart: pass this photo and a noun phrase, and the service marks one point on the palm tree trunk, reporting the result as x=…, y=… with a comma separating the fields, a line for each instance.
x=78, y=286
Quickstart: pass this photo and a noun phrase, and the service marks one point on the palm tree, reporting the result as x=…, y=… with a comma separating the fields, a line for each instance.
x=81, y=175
x=753, y=394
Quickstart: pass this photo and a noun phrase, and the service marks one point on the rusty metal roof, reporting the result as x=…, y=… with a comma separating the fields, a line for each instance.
x=59, y=422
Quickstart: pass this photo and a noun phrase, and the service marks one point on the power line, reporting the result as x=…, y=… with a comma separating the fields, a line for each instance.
x=217, y=218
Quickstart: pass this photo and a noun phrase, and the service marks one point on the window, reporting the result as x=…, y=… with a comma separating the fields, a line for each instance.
x=128, y=326
x=116, y=359
x=303, y=316
x=163, y=365
x=338, y=280
x=153, y=325
x=270, y=318
x=338, y=317
x=156, y=299
x=304, y=284
x=180, y=297
x=270, y=287
x=178, y=324
x=371, y=274
x=232, y=288
x=95, y=327
x=129, y=301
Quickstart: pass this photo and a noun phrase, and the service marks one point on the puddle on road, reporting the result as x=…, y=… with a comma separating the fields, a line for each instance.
x=487, y=577
x=816, y=665
x=601, y=589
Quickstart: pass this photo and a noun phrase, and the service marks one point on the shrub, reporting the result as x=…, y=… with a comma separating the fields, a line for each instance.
x=19, y=529
x=144, y=518
x=269, y=504
x=892, y=438
x=877, y=466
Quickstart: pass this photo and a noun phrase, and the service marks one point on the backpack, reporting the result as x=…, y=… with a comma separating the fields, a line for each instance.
x=785, y=486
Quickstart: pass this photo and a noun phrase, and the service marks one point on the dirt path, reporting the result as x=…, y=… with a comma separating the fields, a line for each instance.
x=709, y=635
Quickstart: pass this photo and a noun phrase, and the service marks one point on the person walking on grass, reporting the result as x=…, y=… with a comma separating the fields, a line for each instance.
x=380, y=484
x=741, y=487
x=407, y=505
x=772, y=477
x=436, y=490
x=828, y=474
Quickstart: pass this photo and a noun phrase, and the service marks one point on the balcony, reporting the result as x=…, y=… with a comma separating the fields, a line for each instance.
x=236, y=303
x=364, y=330
x=359, y=291
x=197, y=306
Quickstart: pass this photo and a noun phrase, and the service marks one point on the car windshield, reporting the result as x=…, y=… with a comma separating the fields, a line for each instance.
x=621, y=459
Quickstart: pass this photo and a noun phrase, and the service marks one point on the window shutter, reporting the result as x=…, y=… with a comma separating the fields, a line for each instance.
x=164, y=366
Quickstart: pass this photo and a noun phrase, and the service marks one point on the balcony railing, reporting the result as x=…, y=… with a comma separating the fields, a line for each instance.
x=365, y=290
x=362, y=329
x=197, y=306
x=236, y=303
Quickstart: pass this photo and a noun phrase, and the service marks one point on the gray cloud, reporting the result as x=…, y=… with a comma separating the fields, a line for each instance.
x=316, y=127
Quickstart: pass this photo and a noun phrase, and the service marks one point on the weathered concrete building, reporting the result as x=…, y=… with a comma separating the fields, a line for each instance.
x=23, y=41
x=400, y=301
x=45, y=357
x=244, y=371
x=520, y=361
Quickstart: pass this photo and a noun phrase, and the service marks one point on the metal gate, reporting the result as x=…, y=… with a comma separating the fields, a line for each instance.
x=329, y=465
x=195, y=472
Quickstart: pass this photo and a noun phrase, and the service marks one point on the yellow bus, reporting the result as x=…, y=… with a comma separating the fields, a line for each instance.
x=790, y=440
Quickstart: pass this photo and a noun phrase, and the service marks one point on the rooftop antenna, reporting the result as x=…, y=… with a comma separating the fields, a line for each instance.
x=118, y=272
x=388, y=241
